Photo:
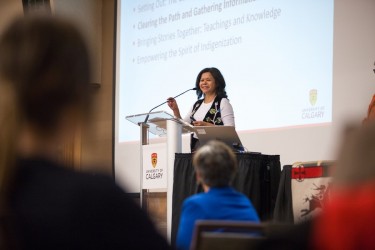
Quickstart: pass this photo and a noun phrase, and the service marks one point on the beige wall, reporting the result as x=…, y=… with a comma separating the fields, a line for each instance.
x=96, y=20
x=9, y=9
x=97, y=140
x=87, y=15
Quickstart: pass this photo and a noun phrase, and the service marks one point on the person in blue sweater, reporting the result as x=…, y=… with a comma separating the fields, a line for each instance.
x=215, y=165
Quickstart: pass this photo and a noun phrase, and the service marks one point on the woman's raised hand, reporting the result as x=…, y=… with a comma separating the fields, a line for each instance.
x=172, y=103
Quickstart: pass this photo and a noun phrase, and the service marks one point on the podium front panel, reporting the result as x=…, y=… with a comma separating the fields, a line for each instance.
x=155, y=172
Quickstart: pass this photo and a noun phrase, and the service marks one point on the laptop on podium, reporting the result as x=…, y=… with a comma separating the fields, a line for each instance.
x=225, y=134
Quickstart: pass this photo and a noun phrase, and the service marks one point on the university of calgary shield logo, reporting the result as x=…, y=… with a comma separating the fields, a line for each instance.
x=154, y=159
x=313, y=96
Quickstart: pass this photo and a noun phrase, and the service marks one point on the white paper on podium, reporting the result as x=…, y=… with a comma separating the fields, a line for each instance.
x=155, y=173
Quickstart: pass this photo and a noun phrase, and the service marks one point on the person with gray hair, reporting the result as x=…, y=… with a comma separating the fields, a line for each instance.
x=215, y=165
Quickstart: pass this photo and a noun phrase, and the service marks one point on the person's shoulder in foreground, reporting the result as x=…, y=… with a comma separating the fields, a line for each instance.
x=57, y=208
x=348, y=218
x=217, y=204
x=222, y=203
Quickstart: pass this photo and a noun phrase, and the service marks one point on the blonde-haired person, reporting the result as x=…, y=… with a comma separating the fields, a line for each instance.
x=215, y=165
x=44, y=81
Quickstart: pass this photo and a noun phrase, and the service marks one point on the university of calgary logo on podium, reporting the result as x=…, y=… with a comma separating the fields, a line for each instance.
x=313, y=96
x=154, y=159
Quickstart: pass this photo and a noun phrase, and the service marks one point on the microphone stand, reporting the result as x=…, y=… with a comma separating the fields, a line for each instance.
x=148, y=114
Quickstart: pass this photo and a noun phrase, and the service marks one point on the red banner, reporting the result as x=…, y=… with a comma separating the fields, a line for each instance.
x=300, y=173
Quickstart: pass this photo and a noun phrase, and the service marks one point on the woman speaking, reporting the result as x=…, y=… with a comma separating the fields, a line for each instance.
x=213, y=109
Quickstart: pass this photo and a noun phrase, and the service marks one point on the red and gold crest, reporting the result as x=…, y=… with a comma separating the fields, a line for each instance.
x=313, y=96
x=154, y=159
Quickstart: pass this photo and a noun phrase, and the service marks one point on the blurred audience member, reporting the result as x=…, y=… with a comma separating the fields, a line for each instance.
x=215, y=165
x=370, y=111
x=44, y=81
x=348, y=219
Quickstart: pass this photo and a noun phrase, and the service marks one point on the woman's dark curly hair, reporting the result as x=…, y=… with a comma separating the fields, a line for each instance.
x=219, y=81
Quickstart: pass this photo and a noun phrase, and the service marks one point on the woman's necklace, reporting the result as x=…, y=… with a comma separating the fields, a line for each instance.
x=209, y=99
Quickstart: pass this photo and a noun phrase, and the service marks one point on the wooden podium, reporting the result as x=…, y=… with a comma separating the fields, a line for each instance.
x=157, y=160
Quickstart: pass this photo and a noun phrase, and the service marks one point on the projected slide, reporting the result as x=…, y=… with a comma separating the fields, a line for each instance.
x=275, y=55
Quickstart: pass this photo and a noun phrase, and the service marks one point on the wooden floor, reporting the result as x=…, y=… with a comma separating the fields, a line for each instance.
x=156, y=207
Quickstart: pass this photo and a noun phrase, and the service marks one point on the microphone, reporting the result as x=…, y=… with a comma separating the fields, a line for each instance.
x=148, y=114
